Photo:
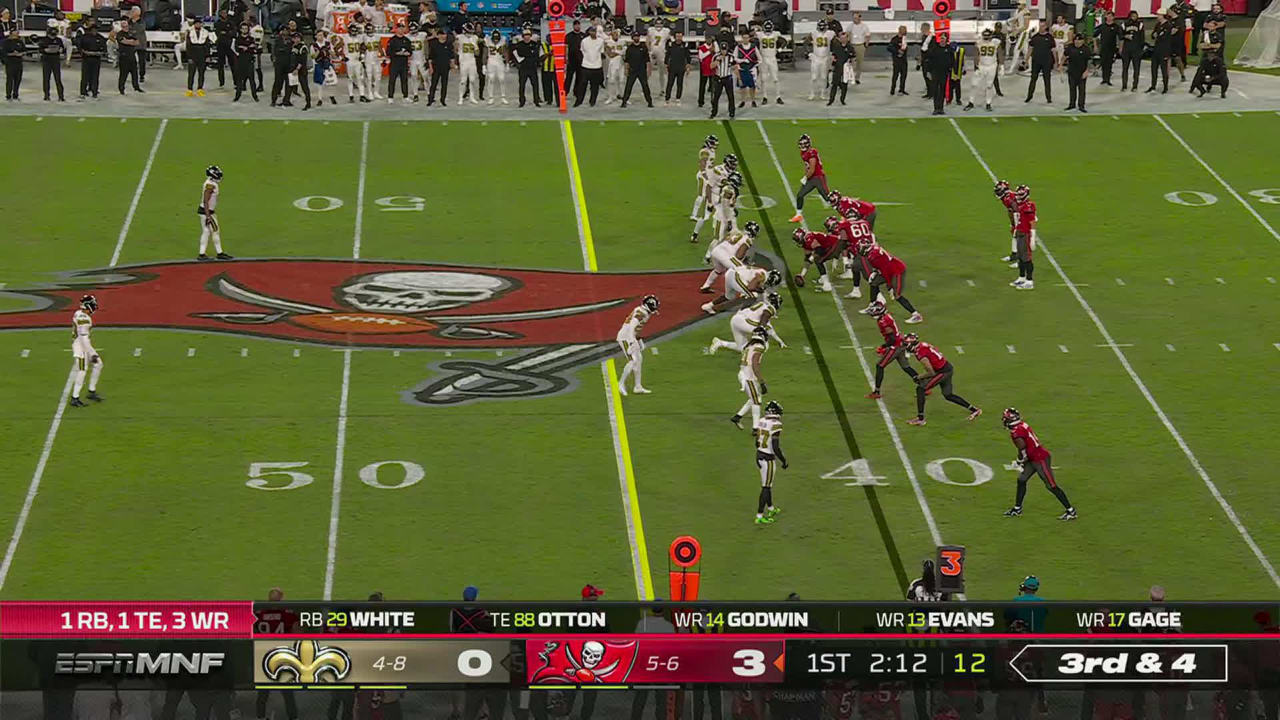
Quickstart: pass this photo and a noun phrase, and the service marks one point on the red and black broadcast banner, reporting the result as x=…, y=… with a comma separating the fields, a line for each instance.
x=247, y=645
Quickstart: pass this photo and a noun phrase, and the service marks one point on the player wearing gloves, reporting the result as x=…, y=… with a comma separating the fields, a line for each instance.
x=1033, y=459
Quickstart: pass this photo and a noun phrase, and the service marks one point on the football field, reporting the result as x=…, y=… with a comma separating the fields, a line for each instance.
x=406, y=381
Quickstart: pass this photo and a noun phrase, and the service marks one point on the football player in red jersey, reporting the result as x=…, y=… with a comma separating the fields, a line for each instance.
x=846, y=205
x=1006, y=197
x=882, y=269
x=1024, y=235
x=938, y=372
x=815, y=178
x=1034, y=459
x=889, y=331
x=819, y=248
x=853, y=229
x=278, y=621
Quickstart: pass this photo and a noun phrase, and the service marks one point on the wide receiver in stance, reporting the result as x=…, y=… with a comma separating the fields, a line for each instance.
x=1033, y=459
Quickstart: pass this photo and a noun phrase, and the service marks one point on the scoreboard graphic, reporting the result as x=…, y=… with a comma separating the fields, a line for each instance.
x=245, y=646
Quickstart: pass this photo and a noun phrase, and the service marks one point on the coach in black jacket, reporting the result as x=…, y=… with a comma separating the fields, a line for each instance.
x=1041, y=47
x=1108, y=45
x=282, y=63
x=937, y=65
x=637, y=59
x=525, y=53
x=898, y=52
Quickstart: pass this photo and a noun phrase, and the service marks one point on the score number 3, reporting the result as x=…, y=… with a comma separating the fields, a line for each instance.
x=749, y=663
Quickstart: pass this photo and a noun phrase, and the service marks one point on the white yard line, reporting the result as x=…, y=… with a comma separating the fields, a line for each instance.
x=47, y=449
x=137, y=193
x=339, y=453
x=1218, y=177
x=866, y=369
x=638, y=562
x=1133, y=374
x=340, y=442
x=364, y=166
x=34, y=487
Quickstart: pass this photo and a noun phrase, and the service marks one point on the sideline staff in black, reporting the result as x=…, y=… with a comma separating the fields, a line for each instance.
x=898, y=51
x=1041, y=47
x=1161, y=49
x=1108, y=45
x=440, y=56
x=51, y=50
x=245, y=49
x=199, y=40
x=127, y=58
x=637, y=59
x=1077, y=62
x=92, y=48
x=525, y=53
x=1134, y=41
x=937, y=64
x=11, y=48
x=399, y=49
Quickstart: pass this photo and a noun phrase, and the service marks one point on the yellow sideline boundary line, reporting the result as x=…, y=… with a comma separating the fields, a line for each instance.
x=645, y=591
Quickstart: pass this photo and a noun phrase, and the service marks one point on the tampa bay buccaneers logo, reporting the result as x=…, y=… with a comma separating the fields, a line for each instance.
x=578, y=662
x=551, y=321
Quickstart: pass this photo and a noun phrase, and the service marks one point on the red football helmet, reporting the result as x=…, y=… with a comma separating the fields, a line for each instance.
x=798, y=236
x=831, y=223
x=1002, y=188
x=865, y=245
x=877, y=308
x=911, y=341
x=1022, y=193
x=1011, y=417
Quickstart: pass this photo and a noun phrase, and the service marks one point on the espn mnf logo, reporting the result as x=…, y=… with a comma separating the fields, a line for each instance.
x=138, y=663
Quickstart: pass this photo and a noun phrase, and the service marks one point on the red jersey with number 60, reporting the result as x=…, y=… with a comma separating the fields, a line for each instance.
x=1035, y=451
x=927, y=353
x=888, y=328
x=863, y=207
x=1023, y=215
x=882, y=262
x=812, y=154
x=854, y=230
x=820, y=243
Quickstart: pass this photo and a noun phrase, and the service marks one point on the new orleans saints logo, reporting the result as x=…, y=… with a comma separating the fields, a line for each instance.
x=307, y=663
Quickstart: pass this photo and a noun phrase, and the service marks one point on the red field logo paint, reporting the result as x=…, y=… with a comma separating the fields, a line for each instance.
x=553, y=321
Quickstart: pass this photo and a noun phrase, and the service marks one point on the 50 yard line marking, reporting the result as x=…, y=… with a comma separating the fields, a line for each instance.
x=47, y=449
x=613, y=399
x=340, y=443
x=1133, y=375
x=921, y=500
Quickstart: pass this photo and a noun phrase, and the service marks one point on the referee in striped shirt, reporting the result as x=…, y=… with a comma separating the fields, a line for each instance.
x=726, y=66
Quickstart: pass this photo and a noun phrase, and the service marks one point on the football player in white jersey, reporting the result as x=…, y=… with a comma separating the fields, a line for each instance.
x=986, y=65
x=60, y=22
x=743, y=282
x=768, y=456
x=632, y=345
x=760, y=314
x=750, y=377
x=706, y=160
x=615, y=74
x=82, y=350
x=183, y=29
x=495, y=67
x=209, y=228
x=820, y=59
x=657, y=37
x=722, y=254
x=771, y=41
x=372, y=60
x=467, y=48
x=1062, y=32
x=417, y=58
x=726, y=211
x=353, y=54
x=712, y=178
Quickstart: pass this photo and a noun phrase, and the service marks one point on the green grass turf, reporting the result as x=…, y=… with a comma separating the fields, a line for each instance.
x=522, y=497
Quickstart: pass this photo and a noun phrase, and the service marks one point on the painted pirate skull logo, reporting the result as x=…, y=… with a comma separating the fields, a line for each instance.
x=420, y=291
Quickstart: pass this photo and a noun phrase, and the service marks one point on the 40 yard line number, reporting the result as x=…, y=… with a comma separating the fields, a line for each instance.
x=859, y=471
x=1199, y=198
x=288, y=475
